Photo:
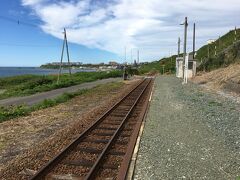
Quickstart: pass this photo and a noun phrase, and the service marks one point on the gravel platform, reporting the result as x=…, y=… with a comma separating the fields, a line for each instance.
x=190, y=133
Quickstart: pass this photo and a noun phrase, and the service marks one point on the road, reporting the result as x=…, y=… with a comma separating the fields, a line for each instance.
x=36, y=98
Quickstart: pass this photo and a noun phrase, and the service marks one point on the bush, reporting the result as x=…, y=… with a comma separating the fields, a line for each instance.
x=12, y=112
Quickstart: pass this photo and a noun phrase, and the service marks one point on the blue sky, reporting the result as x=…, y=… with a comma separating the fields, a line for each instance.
x=26, y=45
x=98, y=30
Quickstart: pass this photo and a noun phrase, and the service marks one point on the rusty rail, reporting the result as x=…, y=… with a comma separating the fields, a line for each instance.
x=45, y=170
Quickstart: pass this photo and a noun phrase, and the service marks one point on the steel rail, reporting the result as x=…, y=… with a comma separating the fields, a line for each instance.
x=92, y=173
x=51, y=164
x=124, y=167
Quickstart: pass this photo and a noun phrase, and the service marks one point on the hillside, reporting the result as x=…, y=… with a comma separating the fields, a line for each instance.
x=227, y=53
x=221, y=72
x=165, y=65
x=221, y=43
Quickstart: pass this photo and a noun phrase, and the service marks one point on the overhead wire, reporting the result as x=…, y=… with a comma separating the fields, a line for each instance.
x=18, y=21
x=27, y=45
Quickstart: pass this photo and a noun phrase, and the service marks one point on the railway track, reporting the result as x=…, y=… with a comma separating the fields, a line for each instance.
x=104, y=149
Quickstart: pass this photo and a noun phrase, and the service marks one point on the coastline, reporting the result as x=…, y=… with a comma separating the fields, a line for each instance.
x=18, y=71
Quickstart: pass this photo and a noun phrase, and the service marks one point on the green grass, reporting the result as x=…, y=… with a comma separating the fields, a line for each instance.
x=32, y=84
x=13, y=111
x=7, y=113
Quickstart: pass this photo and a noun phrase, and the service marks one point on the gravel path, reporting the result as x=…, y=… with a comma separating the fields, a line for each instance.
x=36, y=98
x=189, y=134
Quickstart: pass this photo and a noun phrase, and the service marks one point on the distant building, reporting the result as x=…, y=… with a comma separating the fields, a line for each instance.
x=210, y=41
x=113, y=63
x=65, y=63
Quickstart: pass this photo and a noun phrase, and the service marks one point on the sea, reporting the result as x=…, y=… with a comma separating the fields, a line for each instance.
x=15, y=71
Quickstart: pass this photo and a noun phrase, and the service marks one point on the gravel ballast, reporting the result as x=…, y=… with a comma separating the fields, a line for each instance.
x=190, y=133
x=63, y=123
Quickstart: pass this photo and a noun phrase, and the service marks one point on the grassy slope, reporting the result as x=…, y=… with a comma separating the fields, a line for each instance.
x=164, y=65
x=225, y=57
x=31, y=84
x=222, y=43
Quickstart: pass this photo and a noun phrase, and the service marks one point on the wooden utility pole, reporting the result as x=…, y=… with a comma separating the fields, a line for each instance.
x=179, y=44
x=65, y=43
x=194, y=39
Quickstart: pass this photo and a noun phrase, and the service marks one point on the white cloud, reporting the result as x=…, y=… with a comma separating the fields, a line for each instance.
x=32, y=2
x=151, y=25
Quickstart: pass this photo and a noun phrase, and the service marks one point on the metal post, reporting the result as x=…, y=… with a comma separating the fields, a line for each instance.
x=125, y=54
x=131, y=56
x=219, y=43
x=179, y=44
x=208, y=51
x=124, y=67
x=194, y=40
x=69, y=65
x=186, y=68
x=60, y=66
x=215, y=50
x=138, y=57
x=235, y=33
x=185, y=43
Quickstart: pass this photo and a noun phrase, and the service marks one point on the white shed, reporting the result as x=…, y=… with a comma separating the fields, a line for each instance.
x=192, y=66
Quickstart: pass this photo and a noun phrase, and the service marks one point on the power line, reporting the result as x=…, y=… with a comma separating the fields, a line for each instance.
x=27, y=45
x=18, y=21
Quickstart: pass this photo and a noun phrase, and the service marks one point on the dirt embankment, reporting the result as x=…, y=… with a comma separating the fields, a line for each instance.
x=223, y=79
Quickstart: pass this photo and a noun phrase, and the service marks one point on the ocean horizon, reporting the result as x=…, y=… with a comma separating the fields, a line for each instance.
x=16, y=71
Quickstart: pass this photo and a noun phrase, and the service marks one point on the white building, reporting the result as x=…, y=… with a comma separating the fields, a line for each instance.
x=191, y=67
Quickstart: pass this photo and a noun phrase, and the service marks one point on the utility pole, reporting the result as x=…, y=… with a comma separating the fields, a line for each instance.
x=235, y=33
x=69, y=65
x=194, y=39
x=208, y=51
x=131, y=56
x=219, y=43
x=179, y=44
x=124, y=67
x=125, y=54
x=138, y=56
x=65, y=42
x=185, y=43
x=215, y=50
